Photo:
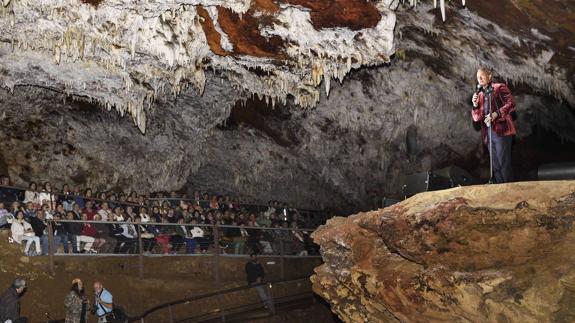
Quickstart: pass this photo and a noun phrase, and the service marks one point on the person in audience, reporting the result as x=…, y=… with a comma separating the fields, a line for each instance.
x=178, y=238
x=76, y=303
x=7, y=193
x=79, y=199
x=105, y=231
x=47, y=197
x=10, y=302
x=32, y=195
x=198, y=239
x=29, y=210
x=61, y=234
x=105, y=212
x=72, y=229
x=164, y=237
x=118, y=215
x=5, y=217
x=255, y=277
x=103, y=302
x=22, y=231
x=66, y=198
x=40, y=227
x=89, y=230
x=148, y=234
x=78, y=230
x=126, y=236
x=88, y=209
x=298, y=240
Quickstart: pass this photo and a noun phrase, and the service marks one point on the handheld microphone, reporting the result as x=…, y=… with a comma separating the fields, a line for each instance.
x=479, y=89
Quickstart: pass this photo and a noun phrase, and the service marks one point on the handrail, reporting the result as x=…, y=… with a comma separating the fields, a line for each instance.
x=207, y=295
x=183, y=224
x=256, y=305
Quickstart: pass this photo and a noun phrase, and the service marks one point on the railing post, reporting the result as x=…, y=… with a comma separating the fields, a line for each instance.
x=171, y=314
x=51, y=247
x=216, y=254
x=282, y=259
x=141, y=253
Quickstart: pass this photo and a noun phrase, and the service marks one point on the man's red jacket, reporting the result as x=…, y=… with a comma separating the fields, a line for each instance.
x=501, y=102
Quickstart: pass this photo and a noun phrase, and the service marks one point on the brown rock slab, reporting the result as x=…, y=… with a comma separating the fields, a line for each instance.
x=493, y=253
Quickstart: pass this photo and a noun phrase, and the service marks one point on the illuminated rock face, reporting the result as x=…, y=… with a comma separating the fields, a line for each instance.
x=125, y=54
x=241, y=96
x=499, y=253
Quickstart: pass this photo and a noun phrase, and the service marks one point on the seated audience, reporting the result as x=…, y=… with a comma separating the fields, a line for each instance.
x=22, y=231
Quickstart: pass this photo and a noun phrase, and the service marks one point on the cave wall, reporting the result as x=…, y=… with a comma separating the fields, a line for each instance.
x=348, y=149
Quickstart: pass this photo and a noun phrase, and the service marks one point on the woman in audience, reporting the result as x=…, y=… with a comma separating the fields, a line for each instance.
x=46, y=196
x=148, y=233
x=32, y=195
x=22, y=231
x=164, y=237
x=127, y=237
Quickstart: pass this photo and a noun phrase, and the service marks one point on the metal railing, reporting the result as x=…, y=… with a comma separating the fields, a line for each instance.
x=221, y=312
x=217, y=239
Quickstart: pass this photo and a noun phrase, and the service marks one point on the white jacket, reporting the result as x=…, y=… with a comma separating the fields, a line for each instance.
x=197, y=232
x=30, y=196
x=18, y=229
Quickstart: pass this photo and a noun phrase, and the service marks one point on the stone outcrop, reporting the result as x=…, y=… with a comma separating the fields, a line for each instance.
x=493, y=253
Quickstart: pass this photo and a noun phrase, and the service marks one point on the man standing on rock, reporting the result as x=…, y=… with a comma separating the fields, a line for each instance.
x=493, y=106
x=10, y=303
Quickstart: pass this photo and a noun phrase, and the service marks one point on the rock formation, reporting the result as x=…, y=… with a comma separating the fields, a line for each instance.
x=496, y=253
x=307, y=102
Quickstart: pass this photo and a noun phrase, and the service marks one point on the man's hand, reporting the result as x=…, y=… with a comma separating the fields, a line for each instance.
x=490, y=118
x=475, y=100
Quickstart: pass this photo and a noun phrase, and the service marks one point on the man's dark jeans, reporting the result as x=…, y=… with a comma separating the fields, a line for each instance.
x=501, y=146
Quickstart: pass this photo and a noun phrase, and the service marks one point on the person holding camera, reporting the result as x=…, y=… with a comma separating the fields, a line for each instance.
x=494, y=106
x=103, y=303
x=76, y=303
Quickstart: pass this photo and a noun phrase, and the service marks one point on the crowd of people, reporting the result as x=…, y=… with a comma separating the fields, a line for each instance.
x=167, y=223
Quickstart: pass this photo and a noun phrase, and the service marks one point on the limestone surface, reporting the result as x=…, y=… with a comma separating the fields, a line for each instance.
x=492, y=253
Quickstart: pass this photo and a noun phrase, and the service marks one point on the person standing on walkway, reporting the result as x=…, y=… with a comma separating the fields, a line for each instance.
x=10, y=303
x=103, y=303
x=255, y=276
x=76, y=303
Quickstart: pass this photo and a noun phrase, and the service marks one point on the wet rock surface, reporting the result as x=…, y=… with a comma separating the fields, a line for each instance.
x=498, y=253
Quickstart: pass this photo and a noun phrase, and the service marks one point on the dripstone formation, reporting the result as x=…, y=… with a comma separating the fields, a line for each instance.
x=307, y=102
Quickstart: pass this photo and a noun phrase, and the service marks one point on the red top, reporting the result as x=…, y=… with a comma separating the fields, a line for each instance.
x=501, y=102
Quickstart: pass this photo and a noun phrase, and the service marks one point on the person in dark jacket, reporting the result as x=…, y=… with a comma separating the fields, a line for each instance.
x=40, y=228
x=255, y=276
x=10, y=302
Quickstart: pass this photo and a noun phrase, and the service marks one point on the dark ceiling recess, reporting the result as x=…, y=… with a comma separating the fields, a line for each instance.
x=257, y=114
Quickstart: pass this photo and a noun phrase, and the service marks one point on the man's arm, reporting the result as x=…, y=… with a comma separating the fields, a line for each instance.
x=508, y=101
x=477, y=112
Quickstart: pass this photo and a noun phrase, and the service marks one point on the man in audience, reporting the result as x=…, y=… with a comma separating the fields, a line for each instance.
x=40, y=228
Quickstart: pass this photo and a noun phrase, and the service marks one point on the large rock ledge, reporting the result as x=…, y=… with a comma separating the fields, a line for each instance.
x=497, y=253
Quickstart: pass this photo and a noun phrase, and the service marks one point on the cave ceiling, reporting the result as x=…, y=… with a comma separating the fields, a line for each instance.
x=299, y=100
